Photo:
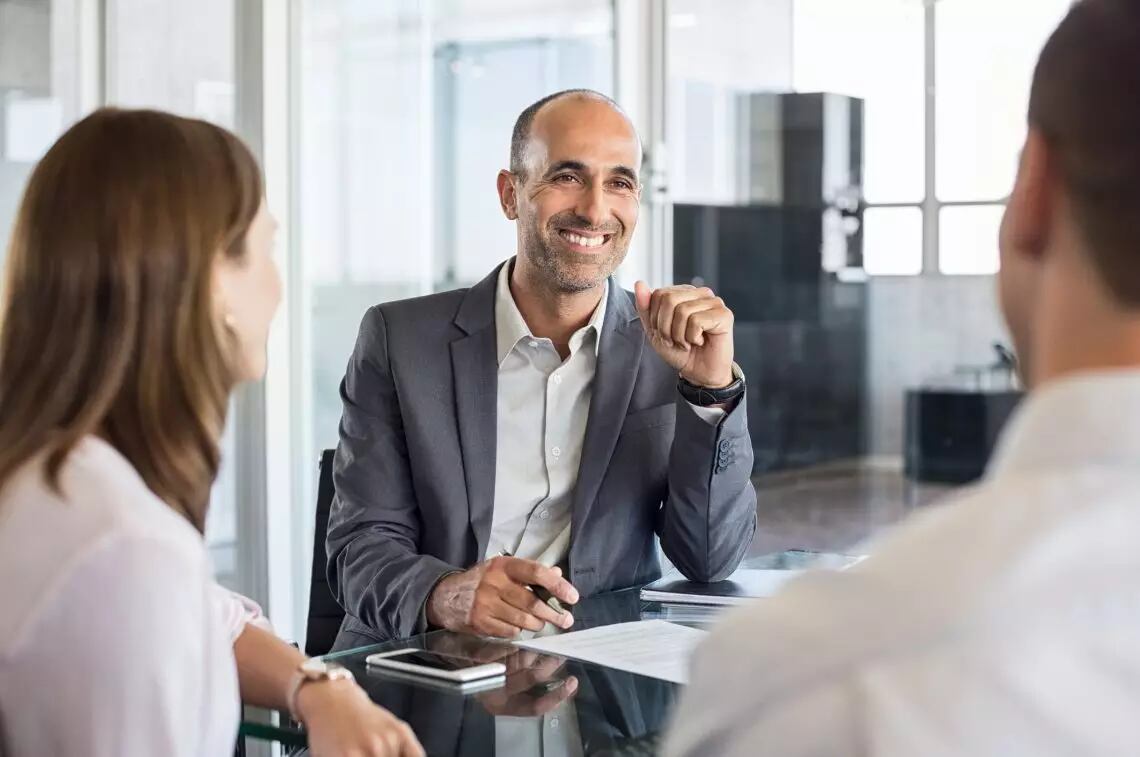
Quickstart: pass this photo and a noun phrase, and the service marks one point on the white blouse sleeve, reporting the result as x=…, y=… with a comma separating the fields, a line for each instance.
x=126, y=657
x=237, y=611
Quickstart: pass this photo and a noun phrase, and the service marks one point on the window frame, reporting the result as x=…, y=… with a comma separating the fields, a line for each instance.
x=931, y=206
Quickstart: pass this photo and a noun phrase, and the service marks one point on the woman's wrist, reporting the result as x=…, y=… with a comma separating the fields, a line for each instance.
x=314, y=696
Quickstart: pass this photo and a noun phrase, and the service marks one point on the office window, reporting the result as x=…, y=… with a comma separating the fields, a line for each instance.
x=890, y=238
x=179, y=57
x=840, y=47
x=983, y=54
x=40, y=91
x=986, y=52
x=172, y=56
x=406, y=110
x=969, y=238
x=816, y=216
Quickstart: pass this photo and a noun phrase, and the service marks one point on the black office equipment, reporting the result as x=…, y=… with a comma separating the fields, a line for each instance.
x=325, y=613
x=787, y=258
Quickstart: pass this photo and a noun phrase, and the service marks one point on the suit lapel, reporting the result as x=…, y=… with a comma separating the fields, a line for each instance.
x=614, y=379
x=476, y=374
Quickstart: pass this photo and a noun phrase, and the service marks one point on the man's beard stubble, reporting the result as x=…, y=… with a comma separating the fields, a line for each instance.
x=558, y=269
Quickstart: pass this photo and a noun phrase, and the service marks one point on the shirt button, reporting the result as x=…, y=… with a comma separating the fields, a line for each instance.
x=533, y=344
x=554, y=722
x=557, y=451
x=545, y=515
x=557, y=380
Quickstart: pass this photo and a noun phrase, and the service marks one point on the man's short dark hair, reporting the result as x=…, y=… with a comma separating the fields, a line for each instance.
x=1085, y=101
x=521, y=134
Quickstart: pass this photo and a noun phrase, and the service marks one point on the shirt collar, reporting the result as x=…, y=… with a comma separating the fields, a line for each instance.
x=511, y=328
x=1085, y=419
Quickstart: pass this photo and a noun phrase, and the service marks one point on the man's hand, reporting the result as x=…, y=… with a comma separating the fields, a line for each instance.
x=534, y=686
x=492, y=599
x=691, y=329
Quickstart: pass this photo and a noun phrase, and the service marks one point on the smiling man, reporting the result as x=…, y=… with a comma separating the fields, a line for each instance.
x=542, y=427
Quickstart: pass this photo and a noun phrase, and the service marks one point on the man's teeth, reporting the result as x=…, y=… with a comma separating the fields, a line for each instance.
x=583, y=241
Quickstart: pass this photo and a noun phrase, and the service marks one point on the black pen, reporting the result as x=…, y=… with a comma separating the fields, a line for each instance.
x=541, y=592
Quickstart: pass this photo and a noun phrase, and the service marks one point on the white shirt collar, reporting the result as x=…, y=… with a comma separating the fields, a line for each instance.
x=511, y=328
x=1093, y=418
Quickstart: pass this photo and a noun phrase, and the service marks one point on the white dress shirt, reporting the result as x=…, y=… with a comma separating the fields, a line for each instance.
x=543, y=405
x=114, y=638
x=1006, y=622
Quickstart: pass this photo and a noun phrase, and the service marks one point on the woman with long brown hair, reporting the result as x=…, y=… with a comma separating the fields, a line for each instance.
x=139, y=291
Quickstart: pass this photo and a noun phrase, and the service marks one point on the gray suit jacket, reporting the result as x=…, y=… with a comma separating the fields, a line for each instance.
x=415, y=468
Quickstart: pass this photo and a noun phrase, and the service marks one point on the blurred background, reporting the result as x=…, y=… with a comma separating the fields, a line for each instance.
x=836, y=169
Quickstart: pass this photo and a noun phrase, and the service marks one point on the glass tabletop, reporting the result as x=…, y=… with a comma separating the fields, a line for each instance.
x=547, y=706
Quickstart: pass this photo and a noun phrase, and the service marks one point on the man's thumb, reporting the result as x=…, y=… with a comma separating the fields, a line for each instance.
x=641, y=293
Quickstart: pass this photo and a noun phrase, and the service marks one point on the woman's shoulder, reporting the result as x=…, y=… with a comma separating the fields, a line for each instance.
x=102, y=513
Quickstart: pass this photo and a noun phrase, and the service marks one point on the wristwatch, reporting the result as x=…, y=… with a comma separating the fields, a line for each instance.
x=704, y=397
x=311, y=671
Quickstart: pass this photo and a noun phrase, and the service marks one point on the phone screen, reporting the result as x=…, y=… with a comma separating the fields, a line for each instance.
x=434, y=661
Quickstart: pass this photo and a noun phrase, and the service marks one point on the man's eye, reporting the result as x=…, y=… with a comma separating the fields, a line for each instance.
x=566, y=177
x=623, y=184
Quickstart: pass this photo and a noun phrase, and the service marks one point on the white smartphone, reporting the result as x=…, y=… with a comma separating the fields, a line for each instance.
x=435, y=665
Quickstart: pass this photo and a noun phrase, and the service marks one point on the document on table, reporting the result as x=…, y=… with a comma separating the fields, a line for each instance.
x=652, y=648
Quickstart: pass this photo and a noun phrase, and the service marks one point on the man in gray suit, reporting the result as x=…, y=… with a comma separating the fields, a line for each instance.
x=544, y=413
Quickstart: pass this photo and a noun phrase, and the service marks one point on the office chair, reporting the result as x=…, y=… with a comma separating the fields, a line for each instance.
x=325, y=613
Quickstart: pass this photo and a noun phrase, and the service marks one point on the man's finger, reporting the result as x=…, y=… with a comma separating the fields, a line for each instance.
x=522, y=660
x=513, y=616
x=556, y=697
x=548, y=666
x=528, y=572
x=666, y=306
x=679, y=328
x=488, y=625
x=717, y=320
x=525, y=600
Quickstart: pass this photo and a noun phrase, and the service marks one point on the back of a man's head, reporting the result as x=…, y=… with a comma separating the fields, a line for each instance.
x=1085, y=101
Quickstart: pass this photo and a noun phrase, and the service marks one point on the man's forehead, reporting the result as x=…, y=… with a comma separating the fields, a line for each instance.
x=589, y=132
x=594, y=155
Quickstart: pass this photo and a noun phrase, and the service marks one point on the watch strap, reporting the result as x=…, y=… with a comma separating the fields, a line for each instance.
x=307, y=673
x=704, y=397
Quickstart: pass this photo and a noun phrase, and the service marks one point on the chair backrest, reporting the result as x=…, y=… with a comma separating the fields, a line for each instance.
x=325, y=613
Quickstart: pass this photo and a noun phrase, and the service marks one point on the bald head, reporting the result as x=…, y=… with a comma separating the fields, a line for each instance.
x=567, y=104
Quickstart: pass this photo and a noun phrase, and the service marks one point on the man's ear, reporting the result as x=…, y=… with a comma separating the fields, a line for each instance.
x=1029, y=213
x=508, y=195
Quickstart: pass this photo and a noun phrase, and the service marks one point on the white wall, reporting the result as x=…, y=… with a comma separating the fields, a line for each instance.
x=921, y=327
x=25, y=69
x=25, y=54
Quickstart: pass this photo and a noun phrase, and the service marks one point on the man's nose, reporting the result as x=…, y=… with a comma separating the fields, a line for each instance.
x=593, y=206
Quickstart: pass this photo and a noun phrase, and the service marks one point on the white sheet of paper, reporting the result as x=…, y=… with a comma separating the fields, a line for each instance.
x=653, y=648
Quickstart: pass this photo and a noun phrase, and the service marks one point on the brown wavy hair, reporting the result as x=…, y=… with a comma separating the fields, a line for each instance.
x=109, y=325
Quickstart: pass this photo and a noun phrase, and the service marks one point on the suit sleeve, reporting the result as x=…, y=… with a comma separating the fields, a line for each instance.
x=709, y=516
x=375, y=568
